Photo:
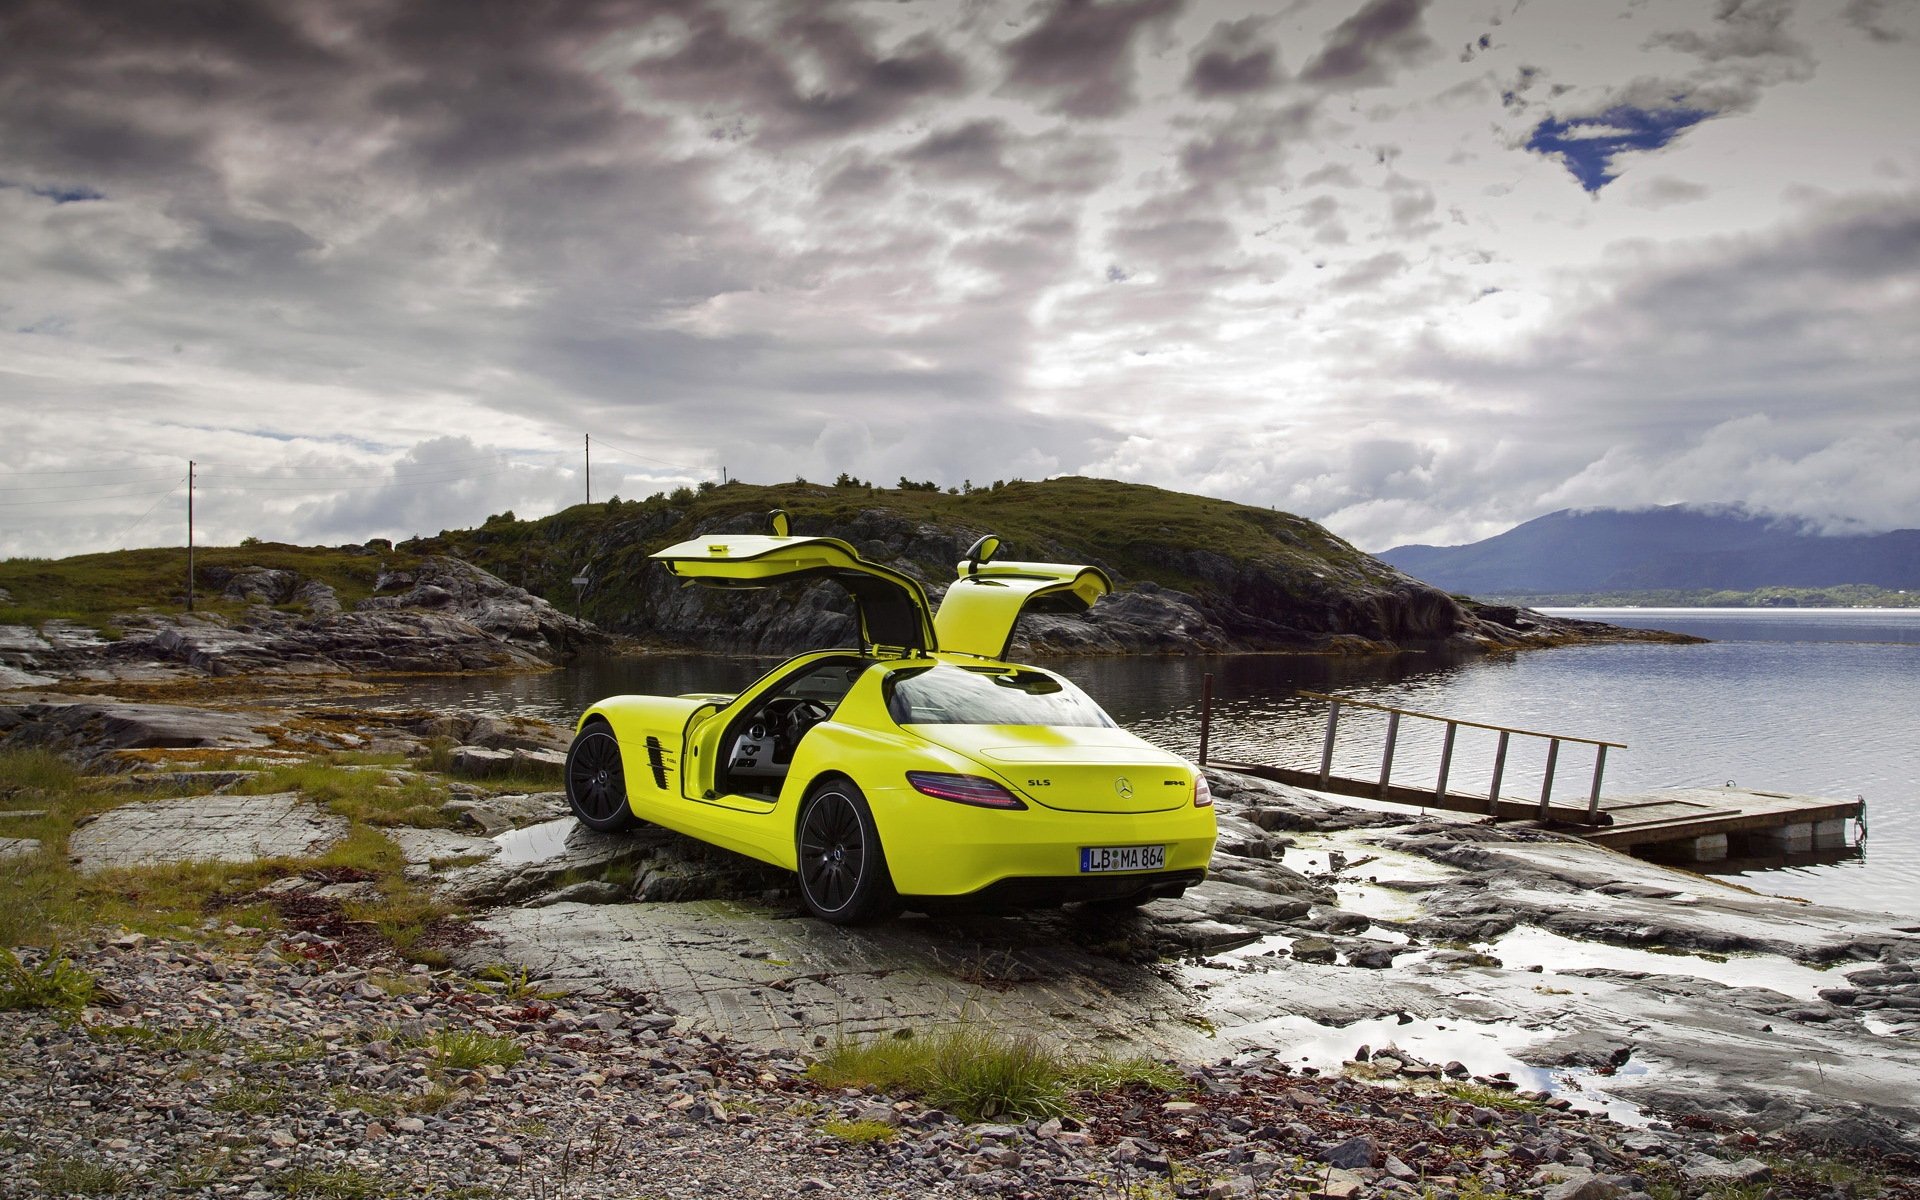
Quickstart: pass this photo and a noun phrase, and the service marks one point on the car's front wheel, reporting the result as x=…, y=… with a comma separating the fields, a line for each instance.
x=597, y=780
x=843, y=870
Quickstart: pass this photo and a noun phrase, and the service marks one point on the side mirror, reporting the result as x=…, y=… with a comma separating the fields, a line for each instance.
x=981, y=553
x=781, y=524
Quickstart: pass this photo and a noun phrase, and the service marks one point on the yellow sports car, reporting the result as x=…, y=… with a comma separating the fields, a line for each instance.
x=920, y=768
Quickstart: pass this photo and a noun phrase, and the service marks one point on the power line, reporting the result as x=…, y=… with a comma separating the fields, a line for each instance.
x=128, y=531
x=271, y=486
x=659, y=462
x=78, y=499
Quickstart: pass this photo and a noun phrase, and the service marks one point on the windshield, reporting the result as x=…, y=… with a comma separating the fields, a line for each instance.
x=944, y=695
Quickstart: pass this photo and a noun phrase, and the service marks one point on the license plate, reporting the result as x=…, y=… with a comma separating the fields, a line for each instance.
x=1122, y=858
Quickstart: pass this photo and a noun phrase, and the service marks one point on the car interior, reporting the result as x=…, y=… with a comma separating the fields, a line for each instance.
x=762, y=739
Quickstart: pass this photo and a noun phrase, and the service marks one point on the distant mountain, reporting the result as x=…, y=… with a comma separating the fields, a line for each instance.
x=1676, y=546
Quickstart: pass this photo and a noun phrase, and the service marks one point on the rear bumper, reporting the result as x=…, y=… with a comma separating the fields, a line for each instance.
x=938, y=848
x=1047, y=892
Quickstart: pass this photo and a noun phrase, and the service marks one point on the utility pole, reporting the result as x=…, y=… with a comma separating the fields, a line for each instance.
x=589, y=471
x=189, y=535
x=723, y=472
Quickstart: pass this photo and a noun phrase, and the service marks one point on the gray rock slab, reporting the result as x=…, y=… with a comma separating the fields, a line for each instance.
x=779, y=981
x=91, y=729
x=424, y=846
x=498, y=814
x=205, y=828
x=17, y=848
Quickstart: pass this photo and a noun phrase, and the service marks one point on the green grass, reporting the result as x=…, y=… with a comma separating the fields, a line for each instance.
x=386, y=1105
x=465, y=1049
x=31, y=776
x=1141, y=533
x=93, y=589
x=48, y=902
x=338, y=1183
x=250, y=1099
x=54, y=984
x=979, y=1075
x=511, y=983
x=860, y=1133
x=1486, y=1097
x=163, y=1039
x=66, y=1176
x=356, y=792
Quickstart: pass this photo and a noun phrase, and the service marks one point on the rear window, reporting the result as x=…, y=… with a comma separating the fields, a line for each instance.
x=945, y=695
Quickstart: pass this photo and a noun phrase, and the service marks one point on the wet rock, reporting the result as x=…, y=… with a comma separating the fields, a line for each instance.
x=477, y=762
x=591, y=891
x=1314, y=949
x=498, y=814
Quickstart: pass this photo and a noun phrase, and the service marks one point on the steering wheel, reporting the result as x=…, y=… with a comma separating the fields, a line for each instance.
x=804, y=715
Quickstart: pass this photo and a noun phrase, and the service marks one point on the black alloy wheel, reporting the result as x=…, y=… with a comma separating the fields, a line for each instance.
x=843, y=871
x=597, y=781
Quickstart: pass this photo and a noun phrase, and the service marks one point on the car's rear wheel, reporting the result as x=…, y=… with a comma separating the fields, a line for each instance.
x=843, y=870
x=597, y=780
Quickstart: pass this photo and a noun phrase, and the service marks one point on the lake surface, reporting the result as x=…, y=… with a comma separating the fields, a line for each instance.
x=1815, y=701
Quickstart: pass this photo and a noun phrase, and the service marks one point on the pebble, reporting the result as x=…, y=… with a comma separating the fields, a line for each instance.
x=615, y=1099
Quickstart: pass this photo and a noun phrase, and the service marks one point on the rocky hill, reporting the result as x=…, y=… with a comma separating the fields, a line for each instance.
x=1193, y=574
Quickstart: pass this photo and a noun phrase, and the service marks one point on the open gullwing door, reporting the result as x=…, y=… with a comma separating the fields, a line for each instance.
x=893, y=610
x=978, y=614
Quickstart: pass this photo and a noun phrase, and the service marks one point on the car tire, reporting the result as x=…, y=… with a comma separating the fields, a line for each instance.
x=597, y=780
x=843, y=869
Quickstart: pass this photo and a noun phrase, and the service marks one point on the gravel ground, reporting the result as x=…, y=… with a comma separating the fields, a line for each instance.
x=297, y=1069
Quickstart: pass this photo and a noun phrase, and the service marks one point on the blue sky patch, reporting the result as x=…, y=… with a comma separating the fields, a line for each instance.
x=57, y=193
x=1587, y=145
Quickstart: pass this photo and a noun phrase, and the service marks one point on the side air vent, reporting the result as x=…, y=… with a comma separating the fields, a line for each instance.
x=656, y=761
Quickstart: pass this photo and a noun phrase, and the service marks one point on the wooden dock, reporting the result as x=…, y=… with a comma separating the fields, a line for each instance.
x=1698, y=824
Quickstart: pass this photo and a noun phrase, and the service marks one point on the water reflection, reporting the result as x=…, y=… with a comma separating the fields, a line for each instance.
x=1814, y=716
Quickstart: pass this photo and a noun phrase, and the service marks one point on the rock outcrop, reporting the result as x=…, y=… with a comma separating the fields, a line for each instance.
x=1242, y=579
x=442, y=615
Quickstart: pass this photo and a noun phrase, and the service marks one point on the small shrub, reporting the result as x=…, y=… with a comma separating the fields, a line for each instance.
x=250, y=1100
x=81, y=1177
x=1486, y=1097
x=54, y=983
x=1109, y=1074
x=340, y=1183
x=860, y=1133
x=465, y=1049
x=974, y=1074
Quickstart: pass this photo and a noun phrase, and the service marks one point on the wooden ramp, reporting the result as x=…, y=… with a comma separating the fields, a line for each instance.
x=1698, y=823
x=1701, y=824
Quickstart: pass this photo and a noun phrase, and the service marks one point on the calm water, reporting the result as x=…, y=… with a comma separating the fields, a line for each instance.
x=1821, y=702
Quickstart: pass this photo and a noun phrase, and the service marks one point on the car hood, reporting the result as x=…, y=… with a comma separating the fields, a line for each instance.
x=1075, y=769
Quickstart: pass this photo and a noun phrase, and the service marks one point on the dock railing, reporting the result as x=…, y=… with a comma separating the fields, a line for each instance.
x=1440, y=797
x=1453, y=725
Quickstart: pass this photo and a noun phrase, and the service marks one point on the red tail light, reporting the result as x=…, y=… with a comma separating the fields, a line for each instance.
x=1202, y=794
x=964, y=789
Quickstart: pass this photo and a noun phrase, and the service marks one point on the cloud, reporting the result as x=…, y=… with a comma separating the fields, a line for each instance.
x=302, y=244
x=853, y=86
x=1078, y=60
x=1365, y=48
x=1233, y=62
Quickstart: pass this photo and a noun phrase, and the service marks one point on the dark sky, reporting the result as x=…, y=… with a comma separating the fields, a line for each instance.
x=1417, y=270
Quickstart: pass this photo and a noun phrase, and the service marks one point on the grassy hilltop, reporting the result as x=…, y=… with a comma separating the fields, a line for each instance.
x=1259, y=577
